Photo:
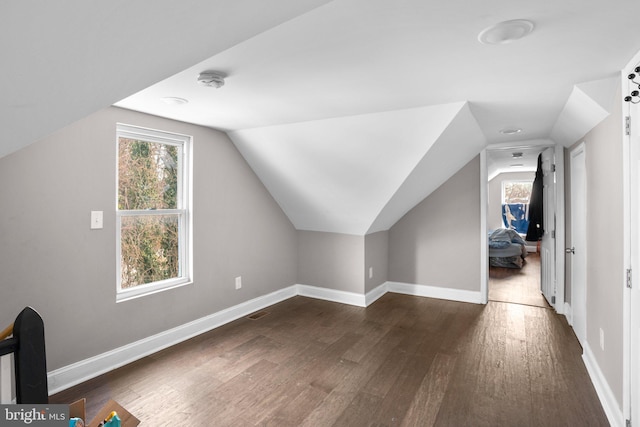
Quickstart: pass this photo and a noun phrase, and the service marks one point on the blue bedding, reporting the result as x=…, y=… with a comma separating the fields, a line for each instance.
x=506, y=249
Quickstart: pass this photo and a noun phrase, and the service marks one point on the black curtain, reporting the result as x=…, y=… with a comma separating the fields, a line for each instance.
x=534, y=232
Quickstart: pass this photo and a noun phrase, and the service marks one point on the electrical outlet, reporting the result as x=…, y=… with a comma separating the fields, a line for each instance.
x=370, y=272
x=601, y=339
x=238, y=282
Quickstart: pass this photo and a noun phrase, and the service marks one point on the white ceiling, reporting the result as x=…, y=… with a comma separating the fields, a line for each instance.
x=349, y=111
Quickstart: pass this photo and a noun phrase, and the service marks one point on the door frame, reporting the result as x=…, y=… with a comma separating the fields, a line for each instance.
x=559, y=214
x=631, y=207
x=579, y=149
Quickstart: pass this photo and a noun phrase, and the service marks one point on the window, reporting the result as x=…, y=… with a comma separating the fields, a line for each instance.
x=515, y=204
x=516, y=191
x=153, y=211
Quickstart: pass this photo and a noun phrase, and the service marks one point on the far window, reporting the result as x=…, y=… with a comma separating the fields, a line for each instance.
x=153, y=215
x=516, y=191
x=515, y=205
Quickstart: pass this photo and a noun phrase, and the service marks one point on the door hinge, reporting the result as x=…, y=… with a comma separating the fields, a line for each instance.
x=629, y=278
x=628, y=423
x=553, y=167
x=627, y=125
x=553, y=299
x=553, y=234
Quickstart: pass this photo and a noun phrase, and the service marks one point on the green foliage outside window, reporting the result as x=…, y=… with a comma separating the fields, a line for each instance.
x=148, y=181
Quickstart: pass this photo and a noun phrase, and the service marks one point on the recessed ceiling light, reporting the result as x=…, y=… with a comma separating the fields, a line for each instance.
x=510, y=131
x=172, y=100
x=506, y=32
x=516, y=155
x=517, y=165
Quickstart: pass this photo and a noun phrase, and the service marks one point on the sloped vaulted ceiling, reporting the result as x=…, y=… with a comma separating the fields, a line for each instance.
x=350, y=174
x=63, y=60
x=350, y=111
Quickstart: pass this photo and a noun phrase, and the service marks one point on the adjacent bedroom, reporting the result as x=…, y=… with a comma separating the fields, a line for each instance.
x=514, y=218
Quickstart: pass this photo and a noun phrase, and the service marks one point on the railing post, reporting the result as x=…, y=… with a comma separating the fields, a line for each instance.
x=30, y=358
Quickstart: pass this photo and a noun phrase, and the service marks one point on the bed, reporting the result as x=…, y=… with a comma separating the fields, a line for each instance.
x=506, y=249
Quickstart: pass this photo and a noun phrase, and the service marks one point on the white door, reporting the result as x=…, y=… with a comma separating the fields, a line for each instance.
x=547, y=245
x=578, y=257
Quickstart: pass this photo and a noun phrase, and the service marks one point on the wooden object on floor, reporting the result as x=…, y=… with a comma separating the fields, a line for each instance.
x=403, y=361
x=126, y=419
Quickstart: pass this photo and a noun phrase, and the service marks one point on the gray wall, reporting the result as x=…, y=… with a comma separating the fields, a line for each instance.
x=437, y=243
x=494, y=196
x=51, y=260
x=605, y=256
x=376, y=256
x=331, y=260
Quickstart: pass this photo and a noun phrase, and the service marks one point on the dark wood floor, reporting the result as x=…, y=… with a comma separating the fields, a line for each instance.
x=403, y=361
x=518, y=286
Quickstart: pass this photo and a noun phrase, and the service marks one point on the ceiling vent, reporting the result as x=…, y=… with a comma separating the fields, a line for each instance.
x=211, y=79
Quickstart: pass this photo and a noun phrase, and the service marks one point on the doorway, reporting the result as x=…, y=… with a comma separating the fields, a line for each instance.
x=524, y=285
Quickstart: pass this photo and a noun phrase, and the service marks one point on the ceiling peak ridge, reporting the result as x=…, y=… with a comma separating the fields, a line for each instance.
x=452, y=105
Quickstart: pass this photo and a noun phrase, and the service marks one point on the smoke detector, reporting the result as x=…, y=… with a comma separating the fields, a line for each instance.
x=211, y=79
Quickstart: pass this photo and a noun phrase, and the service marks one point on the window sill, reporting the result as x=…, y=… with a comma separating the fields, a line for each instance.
x=150, y=289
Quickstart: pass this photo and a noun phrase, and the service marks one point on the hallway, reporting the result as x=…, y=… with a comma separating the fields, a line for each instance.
x=518, y=286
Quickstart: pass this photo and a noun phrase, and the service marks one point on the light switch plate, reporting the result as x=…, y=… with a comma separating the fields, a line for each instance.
x=96, y=220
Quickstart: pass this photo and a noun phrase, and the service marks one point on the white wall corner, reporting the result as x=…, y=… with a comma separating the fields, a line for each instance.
x=374, y=294
x=605, y=394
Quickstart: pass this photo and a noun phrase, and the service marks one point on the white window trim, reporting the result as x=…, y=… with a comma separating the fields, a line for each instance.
x=184, y=209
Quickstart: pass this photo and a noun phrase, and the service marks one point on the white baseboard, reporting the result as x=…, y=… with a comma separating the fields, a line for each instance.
x=606, y=396
x=568, y=313
x=70, y=375
x=374, y=294
x=435, y=292
x=360, y=300
x=351, y=298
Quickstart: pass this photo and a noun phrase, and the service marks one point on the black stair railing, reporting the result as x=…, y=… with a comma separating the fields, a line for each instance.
x=30, y=362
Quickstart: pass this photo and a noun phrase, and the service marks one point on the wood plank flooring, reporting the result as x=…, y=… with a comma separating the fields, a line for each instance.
x=403, y=361
x=518, y=286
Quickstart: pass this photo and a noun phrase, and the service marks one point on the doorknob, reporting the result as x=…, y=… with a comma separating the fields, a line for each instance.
x=570, y=250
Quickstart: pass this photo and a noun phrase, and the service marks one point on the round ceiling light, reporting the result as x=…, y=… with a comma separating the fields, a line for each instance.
x=506, y=32
x=510, y=131
x=172, y=100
